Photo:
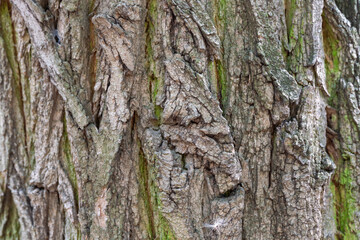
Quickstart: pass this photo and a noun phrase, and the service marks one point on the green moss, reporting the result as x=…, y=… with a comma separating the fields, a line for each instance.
x=7, y=33
x=91, y=6
x=146, y=195
x=347, y=215
x=158, y=112
x=332, y=61
x=296, y=48
x=217, y=68
x=154, y=87
x=32, y=155
x=218, y=81
x=220, y=17
x=6, y=30
x=157, y=226
x=78, y=234
x=290, y=8
x=68, y=162
x=154, y=79
x=221, y=77
x=165, y=231
x=334, y=198
x=150, y=31
x=9, y=219
x=344, y=200
x=342, y=181
x=20, y=85
x=341, y=186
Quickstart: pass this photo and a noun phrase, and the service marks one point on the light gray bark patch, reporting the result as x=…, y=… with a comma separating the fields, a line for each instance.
x=59, y=70
x=197, y=19
x=114, y=40
x=312, y=35
x=227, y=216
x=286, y=84
x=193, y=134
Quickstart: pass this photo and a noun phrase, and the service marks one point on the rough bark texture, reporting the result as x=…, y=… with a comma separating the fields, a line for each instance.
x=179, y=119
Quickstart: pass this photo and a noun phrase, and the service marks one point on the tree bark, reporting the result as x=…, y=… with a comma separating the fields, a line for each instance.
x=179, y=119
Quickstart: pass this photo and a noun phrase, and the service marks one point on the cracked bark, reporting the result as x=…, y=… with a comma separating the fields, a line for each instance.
x=169, y=119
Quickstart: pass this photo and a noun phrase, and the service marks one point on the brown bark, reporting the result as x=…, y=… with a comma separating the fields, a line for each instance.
x=179, y=119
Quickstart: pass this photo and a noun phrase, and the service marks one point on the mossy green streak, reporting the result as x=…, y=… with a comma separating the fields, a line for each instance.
x=154, y=79
x=332, y=62
x=157, y=226
x=68, y=162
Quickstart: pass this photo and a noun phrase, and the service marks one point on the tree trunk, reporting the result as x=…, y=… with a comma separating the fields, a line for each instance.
x=179, y=119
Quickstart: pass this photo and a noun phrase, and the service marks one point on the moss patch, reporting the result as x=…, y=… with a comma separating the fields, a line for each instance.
x=221, y=77
x=9, y=219
x=220, y=17
x=342, y=181
x=157, y=226
x=344, y=201
x=290, y=8
x=217, y=68
x=218, y=81
x=68, y=162
x=294, y=49
x=7, y=33
x=146, y=195
x=332, y=61
x=6, y=30
x=154, y=79
x=20, y=85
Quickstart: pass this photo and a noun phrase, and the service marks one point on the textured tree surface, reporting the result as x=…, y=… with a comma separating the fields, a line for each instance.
x=179, y=119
